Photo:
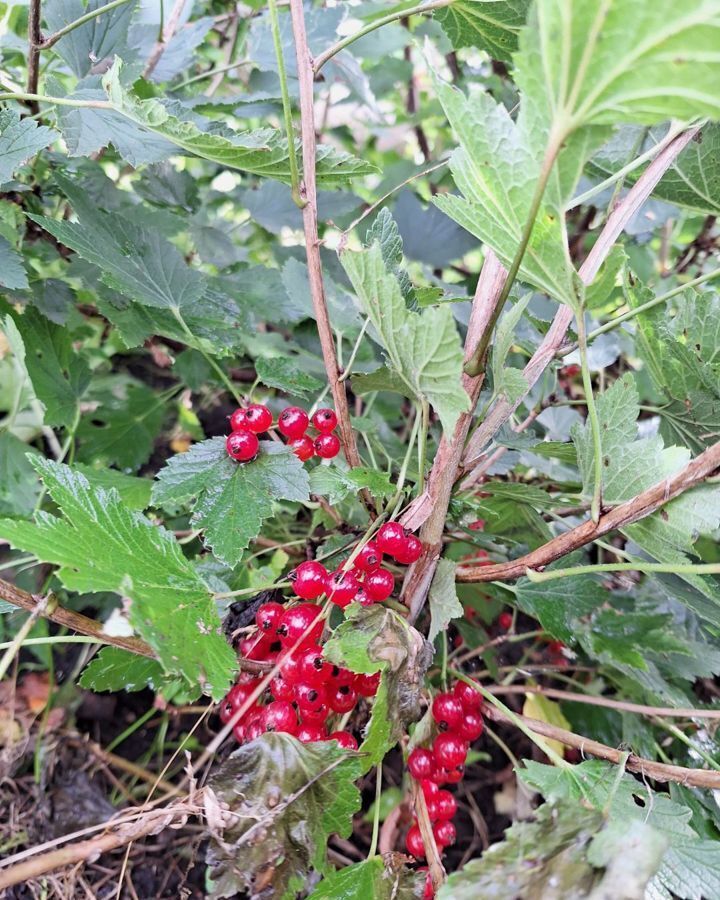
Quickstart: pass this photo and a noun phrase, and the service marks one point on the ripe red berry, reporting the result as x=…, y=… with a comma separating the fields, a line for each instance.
x=293, y=422
x=447, y=711
x=342, y=699
x=429, y=891
x=391, y=538
x=258, y=418
x=253, y=731
x=312, y=667
x=504, y=621
x=237, y=420
x=257, y=646
x=326, y=446
x=444, y=833
x=471, y=726
x=379, y=584
x=308, y=579
x=302, y=447
x=468, y=696
x=295, y=622
x=289, y=669
x=410, y=552
x=242, y=446
x=280, y=688
x=421, y=763
x=339, y=676
x=449, y=776
x=362, y=597
x=429, y=788
x=325, y=420
x=367, y=685
x=308, y=733
x=346, y=741
x=267, y=617
x=369, y=557
x=309, y=698
x=449, y=750
x=445, y=805
x=414, y=843
x=341, y=587
x=280, y=715
x=235, y=698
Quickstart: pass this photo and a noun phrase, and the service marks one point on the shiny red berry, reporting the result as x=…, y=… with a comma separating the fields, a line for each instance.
x=471, y=727
x=309, y=733
x=242, y=446
x=253, y=731
x=341, y=587
x=280, y=688
x=280, y=715
x=325, y=420
x=362, y=597
x=257, y=646
x=467, y=695
x=369, y=557
x=379, y=584
x=326, y=446
x=309, y=698
x=410, y=552
x=449, y=750
x=429, y=891
x=444, y=833
x=308, y=579
x=429, y=788
x=342, y=699
x=302, y=447
x=445, y=805
x=300, y=623
x=447, y=711
x=346, y=741
x=258, y=418
x=391, y=538
x=450, y=776
x=367, y=685
x=293, y=422
x=237, y=420
x=504, y=621
x=234, y=700
x=317, y=715
x=312, y=667
x=267, y=617
x=414, y=843
x=289, y=669
x=421, y=763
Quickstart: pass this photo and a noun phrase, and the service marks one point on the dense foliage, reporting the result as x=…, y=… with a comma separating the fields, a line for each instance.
x=360, y=422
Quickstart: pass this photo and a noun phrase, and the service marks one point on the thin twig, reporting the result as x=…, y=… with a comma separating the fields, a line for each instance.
x=33, y=65
x=52, y=39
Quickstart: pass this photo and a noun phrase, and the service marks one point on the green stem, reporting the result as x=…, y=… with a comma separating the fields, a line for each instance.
x=286, y=105
x=133, y=727
x=422, y=443
x=639, y=566
x=684, y=739
x=56, y=639
x=372, y=26
x=397, y=496
x=376, y=812
x=12, y=647
x=347, y=371
x=596, y=503
x=58, y=101
x=246, y=592
x=203, y=76
x=88, y=17
x=217, y=368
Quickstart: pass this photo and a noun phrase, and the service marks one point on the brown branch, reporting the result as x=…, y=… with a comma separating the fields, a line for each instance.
x=430, y=508
x=432, y=854
x=618, y=219
x=701, y=778
x=34, y=42
x=167, y=33
x=308, y=193
x=618, y=517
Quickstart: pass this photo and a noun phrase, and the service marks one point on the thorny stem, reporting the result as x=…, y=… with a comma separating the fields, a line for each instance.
x=286, y=105
x=596, y=503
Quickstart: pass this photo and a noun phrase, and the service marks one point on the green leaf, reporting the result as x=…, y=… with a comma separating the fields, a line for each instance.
x=90, y=44
x=281, y=801
x=231, y=500
x=19, y=140
x=134, y=492
x=370, y=880
x=385, y=231
x=283, y=373
x=262, y=152
x=558, y=605
x=382, y=379
x=19, y=484
x=491, y=26
x=12, y=271
x=423, y=348
x=336, y=483
x=101, y=545
x=114, y=669
x=443, y=598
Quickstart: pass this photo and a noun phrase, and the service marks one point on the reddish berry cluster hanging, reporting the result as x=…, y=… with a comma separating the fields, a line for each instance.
x=242, y=443
x=247, y=423
x=458, y=719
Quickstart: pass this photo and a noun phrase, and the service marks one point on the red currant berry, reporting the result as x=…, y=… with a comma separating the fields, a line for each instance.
x=326, y=446
x=258, y=418
x=504, y=621
x=302, y=447
x=317, y=716
x=242, y=446
x=298, y=622
x=467, y=695
x=267, y=617
x=234, y=700
x=312, y=667
x=429, y=788
x=429, y=891
x=391, y=538
x=240, y=732
x=444, y=833
x=257, y=646
x=346, y=741
x=339, y=676
x=362, y=597
x=310, y=699
x=369, y=557
x=280, y=715
x=445, y=805
x=289, y=669
x=308, y=579
x=451, y=776
x=281, y=689
x=341, y=587
x=367, y=685
x=379, y=584
x=253, y=731
x=421, y=763
x=447, y=711
x=325, y=421
x=293, y=422
x=414, y=843
x=410, y=552
x=237, y=421
x=342, y=699
x=449, y=750
x=471, y=726
x=309, y=733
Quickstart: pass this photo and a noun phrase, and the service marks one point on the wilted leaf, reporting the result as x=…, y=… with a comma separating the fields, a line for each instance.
x=443, y=598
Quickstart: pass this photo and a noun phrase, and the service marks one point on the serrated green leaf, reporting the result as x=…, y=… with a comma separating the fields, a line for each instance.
x=385, y=231
x=88, y=45
x=12, y=271
x=443, y=598
x=231, y=500
x=286, y=798
x=118, y=670
x=423, y=348
x=101, y=545
x=19, y=483
x=336, y=483
x=19, y=140
x=557, y=605
x=134, y=492
x=370, y=880
x=382, y=379
x=491, y=26
x=282, y=373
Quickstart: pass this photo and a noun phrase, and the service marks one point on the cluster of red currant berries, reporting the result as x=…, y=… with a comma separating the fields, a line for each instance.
x=247, y=423
x=458, y=718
